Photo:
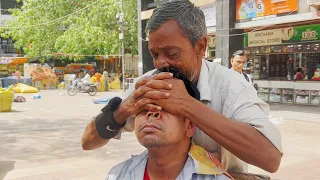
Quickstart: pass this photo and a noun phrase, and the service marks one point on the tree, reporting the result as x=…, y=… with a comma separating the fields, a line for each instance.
x=44, y=28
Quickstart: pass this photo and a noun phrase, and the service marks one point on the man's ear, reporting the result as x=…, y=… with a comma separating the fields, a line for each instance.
x=201, y=46
x=191, y=128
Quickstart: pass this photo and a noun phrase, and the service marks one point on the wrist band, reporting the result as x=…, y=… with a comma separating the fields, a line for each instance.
x=106, y=125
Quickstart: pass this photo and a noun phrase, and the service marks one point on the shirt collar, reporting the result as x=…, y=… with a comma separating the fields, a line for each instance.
x=235, y=70
x=203, y=83
x=199, y=162
x=205, y=163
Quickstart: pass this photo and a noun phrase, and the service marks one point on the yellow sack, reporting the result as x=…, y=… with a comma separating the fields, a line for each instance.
x=102, y=85
x=6, y=99
x=92, y=80
x=115, y=84
x=23, y=88
x=61, y=86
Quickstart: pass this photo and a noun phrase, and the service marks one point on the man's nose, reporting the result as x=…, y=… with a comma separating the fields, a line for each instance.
x=161, y=62
x=155, y=115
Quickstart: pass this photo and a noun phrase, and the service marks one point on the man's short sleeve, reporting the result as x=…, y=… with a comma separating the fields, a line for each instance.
x=249, y=108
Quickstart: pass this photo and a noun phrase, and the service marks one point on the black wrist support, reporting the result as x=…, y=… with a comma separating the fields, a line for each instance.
x=106, y=125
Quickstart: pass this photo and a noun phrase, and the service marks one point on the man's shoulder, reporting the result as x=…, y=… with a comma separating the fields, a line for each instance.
x=121, y=170
x=224, y=78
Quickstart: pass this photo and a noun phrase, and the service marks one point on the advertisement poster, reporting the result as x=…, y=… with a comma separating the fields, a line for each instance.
x=209, y=12
x=247, y=10
x=301, y=33
x=283, y=35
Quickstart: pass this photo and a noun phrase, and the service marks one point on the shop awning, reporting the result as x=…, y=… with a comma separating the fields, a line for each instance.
x=13, y=60
x=6, y=60
x=19, y=60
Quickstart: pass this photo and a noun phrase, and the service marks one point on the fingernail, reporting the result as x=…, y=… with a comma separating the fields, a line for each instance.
x=171, y=74
x=167, y=94
x=170, y=86
x=159, y=108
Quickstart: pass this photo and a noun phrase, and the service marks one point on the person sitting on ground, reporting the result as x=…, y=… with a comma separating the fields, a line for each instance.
x=18, y=75
x=170, y=153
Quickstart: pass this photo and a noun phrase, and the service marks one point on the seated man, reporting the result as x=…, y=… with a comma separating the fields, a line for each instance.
x=170, y=152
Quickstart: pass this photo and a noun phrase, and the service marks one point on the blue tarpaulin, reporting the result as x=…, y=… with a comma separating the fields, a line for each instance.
x=102, y=100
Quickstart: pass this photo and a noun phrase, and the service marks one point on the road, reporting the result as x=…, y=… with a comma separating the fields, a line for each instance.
x=41, y=140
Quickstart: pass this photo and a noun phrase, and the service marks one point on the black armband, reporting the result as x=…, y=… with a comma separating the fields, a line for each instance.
x=106, y=125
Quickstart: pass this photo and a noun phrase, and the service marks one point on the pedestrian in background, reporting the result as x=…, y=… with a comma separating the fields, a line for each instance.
x=106, y=78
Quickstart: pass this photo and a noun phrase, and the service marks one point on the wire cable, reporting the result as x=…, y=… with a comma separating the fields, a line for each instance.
x=54, y=20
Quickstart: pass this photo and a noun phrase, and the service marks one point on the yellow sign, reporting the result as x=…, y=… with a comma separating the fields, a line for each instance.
x=263, y=38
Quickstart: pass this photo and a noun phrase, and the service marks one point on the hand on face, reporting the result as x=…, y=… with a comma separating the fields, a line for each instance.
x=156, y=81
x=170, y=99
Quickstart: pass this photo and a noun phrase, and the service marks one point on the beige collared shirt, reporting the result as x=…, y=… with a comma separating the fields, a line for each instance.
x=229, y=94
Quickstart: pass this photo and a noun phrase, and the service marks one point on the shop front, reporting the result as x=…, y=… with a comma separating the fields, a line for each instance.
x=275, y=56
x=9, y=65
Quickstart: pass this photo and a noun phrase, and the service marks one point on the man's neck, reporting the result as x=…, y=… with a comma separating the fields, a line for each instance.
x=167, y=162
x=236, y=71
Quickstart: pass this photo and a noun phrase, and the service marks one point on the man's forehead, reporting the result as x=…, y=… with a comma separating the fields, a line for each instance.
x=238, y=57
x=155, y=46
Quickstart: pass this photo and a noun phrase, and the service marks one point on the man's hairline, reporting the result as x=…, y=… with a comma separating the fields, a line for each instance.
x=183, y=34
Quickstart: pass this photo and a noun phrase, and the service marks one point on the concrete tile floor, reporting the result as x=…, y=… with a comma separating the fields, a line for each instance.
x=41, y=140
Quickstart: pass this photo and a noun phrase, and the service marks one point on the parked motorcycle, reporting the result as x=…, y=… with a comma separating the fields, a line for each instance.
x=91, y=89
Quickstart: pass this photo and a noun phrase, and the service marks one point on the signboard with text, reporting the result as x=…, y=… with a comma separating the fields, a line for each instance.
x=247, y=10
x=283, y=35
x=301, y=33
x=209, y=12
x=264, y=38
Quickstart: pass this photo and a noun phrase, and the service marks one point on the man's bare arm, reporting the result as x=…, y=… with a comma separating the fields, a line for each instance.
x=90, y=139
x=239, y=138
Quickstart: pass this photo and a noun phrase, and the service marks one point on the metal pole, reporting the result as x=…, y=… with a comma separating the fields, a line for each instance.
x=122, y=31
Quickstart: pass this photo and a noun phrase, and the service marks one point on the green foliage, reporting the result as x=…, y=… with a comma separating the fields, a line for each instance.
x=81, y=27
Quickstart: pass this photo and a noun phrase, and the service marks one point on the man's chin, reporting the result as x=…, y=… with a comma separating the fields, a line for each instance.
x=152, y=142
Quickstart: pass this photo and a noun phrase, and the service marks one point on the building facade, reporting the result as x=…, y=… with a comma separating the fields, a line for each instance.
x=6, y=44
x=280, y=37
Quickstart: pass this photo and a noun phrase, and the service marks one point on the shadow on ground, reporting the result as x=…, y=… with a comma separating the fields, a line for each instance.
x=5, y=167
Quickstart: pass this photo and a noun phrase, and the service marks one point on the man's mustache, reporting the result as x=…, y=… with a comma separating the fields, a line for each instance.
x=150, y=121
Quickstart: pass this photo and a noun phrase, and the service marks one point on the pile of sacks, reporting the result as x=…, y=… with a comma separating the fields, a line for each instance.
x=23, y=88
x=6, y=99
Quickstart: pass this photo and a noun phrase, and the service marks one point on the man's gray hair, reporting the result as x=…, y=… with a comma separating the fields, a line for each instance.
x=190, y=18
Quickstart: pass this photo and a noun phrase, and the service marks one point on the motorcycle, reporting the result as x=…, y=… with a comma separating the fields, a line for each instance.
x=91, y=89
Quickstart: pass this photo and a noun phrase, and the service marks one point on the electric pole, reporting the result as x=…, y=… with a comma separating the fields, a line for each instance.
x=121, y=36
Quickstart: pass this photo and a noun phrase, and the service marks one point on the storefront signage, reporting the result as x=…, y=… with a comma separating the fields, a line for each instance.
x=263, y=38
x=247, y=10
x=303, y=33
x=284, y=35
x=209, y=12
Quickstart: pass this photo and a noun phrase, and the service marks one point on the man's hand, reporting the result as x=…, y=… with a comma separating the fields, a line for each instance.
x=129, y=106
x=153, y=92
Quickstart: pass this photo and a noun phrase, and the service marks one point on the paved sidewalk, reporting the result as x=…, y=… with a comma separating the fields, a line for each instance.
x=296, y=112
x=41, y=140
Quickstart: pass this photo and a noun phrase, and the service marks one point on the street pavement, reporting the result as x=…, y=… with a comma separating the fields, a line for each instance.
x=41, y=140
